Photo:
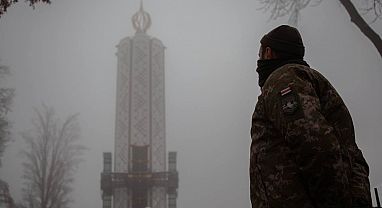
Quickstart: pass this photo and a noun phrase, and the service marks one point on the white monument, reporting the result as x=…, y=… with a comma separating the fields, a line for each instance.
x=140, y=178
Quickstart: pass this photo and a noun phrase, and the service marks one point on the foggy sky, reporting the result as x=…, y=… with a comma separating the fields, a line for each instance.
x=63, y=55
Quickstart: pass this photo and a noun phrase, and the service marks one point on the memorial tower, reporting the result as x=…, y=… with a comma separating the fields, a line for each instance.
x=140, y=177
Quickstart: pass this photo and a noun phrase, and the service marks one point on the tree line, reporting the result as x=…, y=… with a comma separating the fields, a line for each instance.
x=51, y=155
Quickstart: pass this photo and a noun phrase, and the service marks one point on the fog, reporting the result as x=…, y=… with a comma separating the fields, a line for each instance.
x=63, y=55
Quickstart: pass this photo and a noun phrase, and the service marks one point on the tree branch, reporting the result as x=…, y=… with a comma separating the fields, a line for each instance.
x=52, y=155
x=357, y=19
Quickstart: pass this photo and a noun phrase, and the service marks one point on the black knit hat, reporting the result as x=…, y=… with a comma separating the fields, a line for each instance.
x=285, y=39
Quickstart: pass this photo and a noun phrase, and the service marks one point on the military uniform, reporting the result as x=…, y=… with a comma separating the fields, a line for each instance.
x=303, y=151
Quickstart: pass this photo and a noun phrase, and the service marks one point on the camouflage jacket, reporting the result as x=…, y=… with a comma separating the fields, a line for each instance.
x=303, y=151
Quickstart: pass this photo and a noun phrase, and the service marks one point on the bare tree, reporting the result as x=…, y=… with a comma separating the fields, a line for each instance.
x=280, y=8
x=5, y=4
x=52, y=156
x=6, y=95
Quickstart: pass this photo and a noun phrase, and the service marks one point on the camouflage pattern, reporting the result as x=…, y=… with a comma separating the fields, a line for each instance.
x=303, y=151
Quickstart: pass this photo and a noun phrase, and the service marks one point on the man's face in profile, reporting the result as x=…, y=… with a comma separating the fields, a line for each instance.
x=261, y=55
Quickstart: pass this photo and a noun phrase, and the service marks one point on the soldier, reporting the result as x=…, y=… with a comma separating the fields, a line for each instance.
x=303, y=152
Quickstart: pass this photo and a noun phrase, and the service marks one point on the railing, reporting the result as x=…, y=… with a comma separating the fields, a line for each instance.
x=110, y=181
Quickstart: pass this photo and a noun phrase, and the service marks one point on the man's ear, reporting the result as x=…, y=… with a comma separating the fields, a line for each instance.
x=268, y=53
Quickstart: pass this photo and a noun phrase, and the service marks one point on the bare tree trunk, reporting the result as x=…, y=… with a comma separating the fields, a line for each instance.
x=357, y=19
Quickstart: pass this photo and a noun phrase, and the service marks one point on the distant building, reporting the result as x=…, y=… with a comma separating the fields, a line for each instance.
x=140, y=178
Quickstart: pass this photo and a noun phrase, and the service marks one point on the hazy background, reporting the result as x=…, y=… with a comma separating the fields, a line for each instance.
x=63, y=55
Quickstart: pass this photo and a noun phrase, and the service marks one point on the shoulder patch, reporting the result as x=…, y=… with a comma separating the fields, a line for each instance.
x=285, y=91
x=290, y=104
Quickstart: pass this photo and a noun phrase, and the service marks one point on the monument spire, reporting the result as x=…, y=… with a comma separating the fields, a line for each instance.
x=141, y=177
x=141, y=20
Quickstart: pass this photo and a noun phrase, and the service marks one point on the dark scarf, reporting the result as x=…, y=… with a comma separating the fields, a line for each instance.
x=266, y=67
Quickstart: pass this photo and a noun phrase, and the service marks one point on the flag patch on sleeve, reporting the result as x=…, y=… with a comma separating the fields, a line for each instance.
x=290, y=104
x=285, y=91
